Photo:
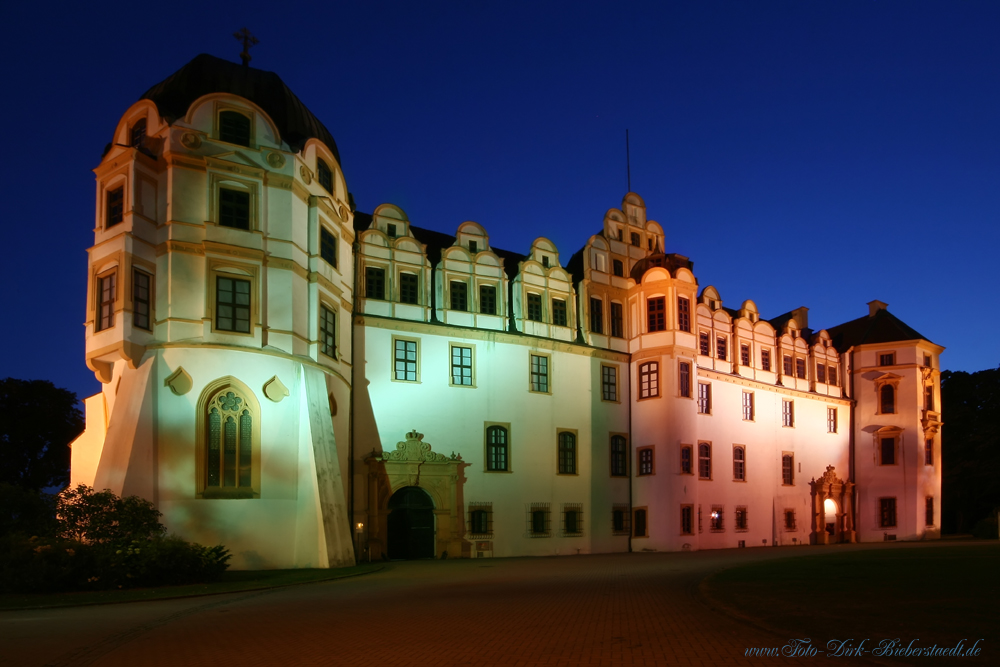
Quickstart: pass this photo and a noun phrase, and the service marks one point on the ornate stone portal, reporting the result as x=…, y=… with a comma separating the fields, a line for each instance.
x=832, y=488
x=414, y=463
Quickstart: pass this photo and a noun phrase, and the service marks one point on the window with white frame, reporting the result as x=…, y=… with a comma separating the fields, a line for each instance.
x=704, y=398
x=405, y=360
x=461, y=365
x=649, y=379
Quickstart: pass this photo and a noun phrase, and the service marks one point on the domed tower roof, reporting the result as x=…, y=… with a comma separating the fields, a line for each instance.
x=207, y=74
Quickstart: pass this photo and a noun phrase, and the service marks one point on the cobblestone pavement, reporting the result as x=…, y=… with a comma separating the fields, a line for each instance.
x=614, y=609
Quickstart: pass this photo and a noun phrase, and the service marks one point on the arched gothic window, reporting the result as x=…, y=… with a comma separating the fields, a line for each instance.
x=230, y=424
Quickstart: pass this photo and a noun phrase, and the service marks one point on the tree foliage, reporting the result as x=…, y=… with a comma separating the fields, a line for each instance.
x=970, y=448
x=37, y=422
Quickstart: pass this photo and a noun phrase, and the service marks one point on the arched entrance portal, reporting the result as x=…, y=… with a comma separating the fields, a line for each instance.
x=833, y=519
x=411, y=524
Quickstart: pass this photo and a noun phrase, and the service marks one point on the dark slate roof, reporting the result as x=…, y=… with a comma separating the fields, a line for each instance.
x=883, y=327
x=670, y=262
x=207, y=74
x=436, y=242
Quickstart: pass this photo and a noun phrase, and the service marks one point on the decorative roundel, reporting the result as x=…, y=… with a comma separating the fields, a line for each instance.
x=190, y=140
x=276, y=160
x=343, y=212
x=306, y=176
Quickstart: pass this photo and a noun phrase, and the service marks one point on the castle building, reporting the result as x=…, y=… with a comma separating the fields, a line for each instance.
x=308, y=384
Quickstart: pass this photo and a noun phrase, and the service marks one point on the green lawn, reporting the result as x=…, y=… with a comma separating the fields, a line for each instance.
x=934, y=594
x=230, y=582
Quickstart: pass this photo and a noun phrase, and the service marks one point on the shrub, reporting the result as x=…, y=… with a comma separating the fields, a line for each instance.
x=101, y=516
x=26, y=512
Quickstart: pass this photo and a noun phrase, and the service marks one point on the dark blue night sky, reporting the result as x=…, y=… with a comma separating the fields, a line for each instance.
x=801, y=153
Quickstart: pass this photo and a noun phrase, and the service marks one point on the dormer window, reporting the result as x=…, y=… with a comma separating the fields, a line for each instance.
x=234, y=128
x=618, y=268
x=391, y=230
x=649, y=243
x=621, y=234
x=545, y=261
x=473, y=247
x=636, y=240
x=137, y=136
x=324, y=175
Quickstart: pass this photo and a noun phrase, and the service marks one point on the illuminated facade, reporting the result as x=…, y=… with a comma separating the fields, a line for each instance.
x=296, y=379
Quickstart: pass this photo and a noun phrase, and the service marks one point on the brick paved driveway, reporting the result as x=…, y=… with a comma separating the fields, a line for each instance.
x=628, y=609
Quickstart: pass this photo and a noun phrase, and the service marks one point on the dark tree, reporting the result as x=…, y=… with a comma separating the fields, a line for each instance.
x=37, y=422
x=970, y=448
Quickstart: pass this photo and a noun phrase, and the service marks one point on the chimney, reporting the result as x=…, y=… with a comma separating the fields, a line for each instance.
x=801, y=316
x=875, y=306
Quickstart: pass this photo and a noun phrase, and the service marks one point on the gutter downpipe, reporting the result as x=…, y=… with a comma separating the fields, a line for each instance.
x=628, y=376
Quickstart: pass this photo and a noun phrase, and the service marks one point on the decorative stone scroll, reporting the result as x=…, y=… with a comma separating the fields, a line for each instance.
x=415, y=449
x=179, y=382
x=275, y=390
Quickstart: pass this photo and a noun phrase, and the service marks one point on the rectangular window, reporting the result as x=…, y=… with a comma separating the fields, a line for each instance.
x=636, y=241
x=704, y=398
x=620, y=524
x=765, y=360
x=609, y=383
x=928, y=398
x=106, y=301
x=717, y=522
x=787, y=469
x=649, y=379
x=140, y=300
x=538, y=520
x=496, y=449
x=831, y=420
x=687, y=519
x=704, y=460
x=327, y=332
x=787, y=413
x=656, y=313
x=800, y=369
x=115, y=207
x=617, y=321
x=703, y=344
x=887, y=359
x=929, y=452
x=234, y=128
x=640, y=523
x=539, y=373
x=545, y=261
x=481, y=519
x=831, y=375
x=408, y=290
x=741, y=522
x=821, y=373
x=683, y=314
x=534, y=307
x=461, y=366
x=328, y=247
x=887, y=512
x=459, y=292
x=617, y=267
x=473, y=247
x=390, y=230
x=567, y=453
x=786, y=364
x=619, y=456
x=744, y=354
x=739, y=464
x=789, y=519
x=887, y=451
x=573, y=519
x=929, y=511
x=596, y=316
x=686, y=454
x=487, y=299
x=232, y=305
x=645, y=461
x=721, y=348
x=748, y=406
x=374, y=282
x=559, y=312
x=684, y=379
x=234, y=208
x=405, y=356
